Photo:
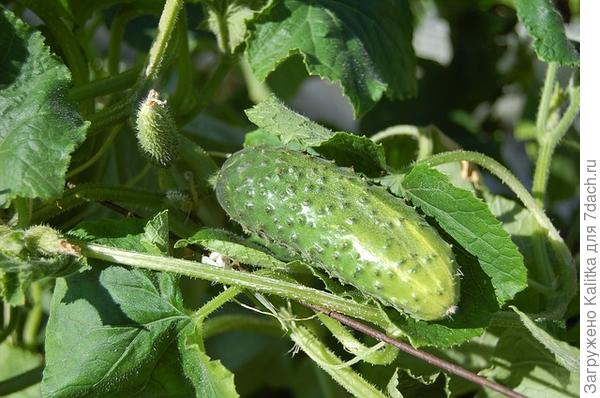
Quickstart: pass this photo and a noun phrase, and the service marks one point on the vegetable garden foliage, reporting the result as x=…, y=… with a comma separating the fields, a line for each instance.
x=123, y=273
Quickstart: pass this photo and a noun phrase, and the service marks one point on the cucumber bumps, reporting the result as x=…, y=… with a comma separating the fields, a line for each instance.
x=356, y=232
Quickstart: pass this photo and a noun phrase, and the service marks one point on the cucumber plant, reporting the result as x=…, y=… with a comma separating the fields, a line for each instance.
x=169, y=227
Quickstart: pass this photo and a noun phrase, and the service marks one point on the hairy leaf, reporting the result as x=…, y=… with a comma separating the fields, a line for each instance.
x=545, y=26
x=565, y=354
x=523, y=364
x=39, y=128
x=115, y=331
x=525, y=230
x=233, y=247
x=210, y=378
x=469, y=221
x=296, y=131
x=366, y=46
x=228, y=20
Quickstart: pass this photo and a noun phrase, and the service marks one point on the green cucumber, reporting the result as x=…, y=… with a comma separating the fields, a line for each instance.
x=334, y=219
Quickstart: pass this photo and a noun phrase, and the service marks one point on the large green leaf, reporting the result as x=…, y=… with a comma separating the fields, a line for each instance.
x=108, y=330
x=565, y=354
x=534, y=245
x=115, y=331
x=39, y=128
x=523, y=364
x=233, y=247
x=273, y=117
x=366, y=46
x=469, y=221
x=210, y=378
x=297, y=131
x=228, y=20
x=545, y=26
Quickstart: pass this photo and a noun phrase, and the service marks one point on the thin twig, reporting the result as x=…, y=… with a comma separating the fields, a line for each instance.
x=425, y=356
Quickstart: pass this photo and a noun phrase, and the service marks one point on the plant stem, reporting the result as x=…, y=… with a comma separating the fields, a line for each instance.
x=14, y=316
x=139, y=176
x=111, y=115
x=544, y=106
x=226, y=323
x=136, y=198
x=166, y=24
x=21, y=381
x=99, y=153
x=425, y=356
x=353, y=382
x=34, y=317
x=515, y=185
x=23, y=210
x=236, y=278
x=183, y=93
x=422, y=135
x=216, y=302
x=547, y=144
x=117, y=31
x=209, y=88
x=105, y=86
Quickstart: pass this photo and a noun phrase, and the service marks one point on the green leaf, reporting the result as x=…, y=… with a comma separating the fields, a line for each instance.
x=565, y=354
x=210, y=378
x=156, y=233
x=366, y=46
x=15, y=361
x=524, y=365
x=357, y=151
x=260, y=137
x=233, y=247
x=291, y=129
x=39, y=128
x=108, y=330
x=274, y=117
x=545, y=26
x=228, y=20
x=469, y=221
x=524, y=230
x=115, y=331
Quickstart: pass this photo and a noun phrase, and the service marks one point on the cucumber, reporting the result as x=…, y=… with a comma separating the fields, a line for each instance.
x=157, y=131
x=335, y=220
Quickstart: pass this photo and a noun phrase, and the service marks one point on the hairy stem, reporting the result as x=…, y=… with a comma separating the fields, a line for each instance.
x=515, y=185
x=353, y=382
x=544, y=106
x=547, y=144
x=166, y=24
x=34, y=317
x=99, y=153
x=105, y=86
x=425, y=356
x=232, y=322
x=74, y=197
x=255, y=282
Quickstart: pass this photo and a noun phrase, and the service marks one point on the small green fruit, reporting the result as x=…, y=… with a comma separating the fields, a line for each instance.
x=335, y=220
x=43, y=240
x=157, y=131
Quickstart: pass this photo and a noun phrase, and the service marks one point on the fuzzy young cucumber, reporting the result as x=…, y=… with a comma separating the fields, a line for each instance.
x=356, y=232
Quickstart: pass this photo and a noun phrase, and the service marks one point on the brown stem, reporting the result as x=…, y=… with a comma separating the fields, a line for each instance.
x=425, y=356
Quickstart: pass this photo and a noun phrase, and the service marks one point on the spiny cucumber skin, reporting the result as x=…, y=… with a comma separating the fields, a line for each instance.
x=332, y=218
x=157, y=131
